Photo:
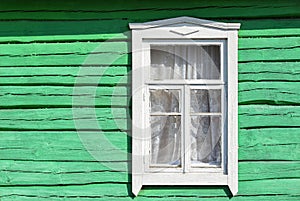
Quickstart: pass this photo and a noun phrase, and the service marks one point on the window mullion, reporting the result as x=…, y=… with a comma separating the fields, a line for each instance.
x=186, y=144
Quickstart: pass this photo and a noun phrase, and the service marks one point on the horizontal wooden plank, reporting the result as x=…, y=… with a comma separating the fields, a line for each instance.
x=61, y=90
x=254, y=144
x=269, y=93
x=67, y=146
x=66, y=140
x=268, y=137
x=142, y=198
x=83, y=48
x=269, y=144
x=281, y=93
x=261, y=170
x=64, y=75
x=64, y=71
x=106, y=6
x=269, y=28
x=288, y=152
x=54, y=178
x=68, y=59
x=267, y=24
x=250, y=116
x=252, y=71
x=280, y=32
x=284, y=54
x=65, y=118
x=64, y=167
x=55, y=173
x=149, y=10
x=39, y=28
x=278, y=42
x=66, y=80
x=253, y=116
x=270, y=187
x=66, y=37
x=125, y=35
x=34, y=31
x=288, y=54
x=269, y=71
x=50, y=101
x=80, y=48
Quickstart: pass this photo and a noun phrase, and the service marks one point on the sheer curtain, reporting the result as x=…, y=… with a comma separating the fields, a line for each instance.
x=185, y=62
x=166, y=128
x=205, y=129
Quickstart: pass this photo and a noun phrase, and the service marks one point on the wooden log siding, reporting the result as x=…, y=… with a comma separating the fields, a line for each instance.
x=44, y=48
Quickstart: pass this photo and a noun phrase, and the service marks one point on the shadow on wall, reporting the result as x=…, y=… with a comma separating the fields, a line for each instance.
x=78, y=17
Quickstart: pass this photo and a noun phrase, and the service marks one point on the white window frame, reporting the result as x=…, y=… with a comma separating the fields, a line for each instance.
x=183, y=30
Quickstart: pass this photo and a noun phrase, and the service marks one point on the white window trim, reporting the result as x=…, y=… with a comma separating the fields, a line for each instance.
x=181, y=29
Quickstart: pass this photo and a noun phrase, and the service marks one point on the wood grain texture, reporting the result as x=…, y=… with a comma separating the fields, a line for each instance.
x=68, y=59
x=68, y=75
x=80, y=48
x=274, y=187
x=65, y=119
x=149, y=10
x=117, y=29
x=274, y=93
x=269, y=71
x=255, y=55
x=57, y=173
x=104, y=198
x=252, y=116
x=254, y=144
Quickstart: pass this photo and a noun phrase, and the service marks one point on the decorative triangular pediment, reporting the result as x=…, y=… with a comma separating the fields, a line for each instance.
x=184, y=31
x=186, y=22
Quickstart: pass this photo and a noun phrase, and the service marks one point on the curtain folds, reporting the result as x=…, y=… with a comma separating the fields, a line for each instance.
x=185, y=62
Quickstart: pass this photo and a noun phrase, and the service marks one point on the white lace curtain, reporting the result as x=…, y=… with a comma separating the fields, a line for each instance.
x=168, y=62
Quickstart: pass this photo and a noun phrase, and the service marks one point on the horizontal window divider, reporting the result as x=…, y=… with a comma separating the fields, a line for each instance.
x=164, y=166
x=205, y=166
x=166, y=114
x=206, y=114
x=184, y=82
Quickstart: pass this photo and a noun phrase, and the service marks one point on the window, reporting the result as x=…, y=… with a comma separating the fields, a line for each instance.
x=184, y=103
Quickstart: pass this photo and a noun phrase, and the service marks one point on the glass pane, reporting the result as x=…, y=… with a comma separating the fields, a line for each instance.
x=206, y=140
x=205, y=100
x=208, y=62
x=165, y=100
x=166, y=140
x=185, y=62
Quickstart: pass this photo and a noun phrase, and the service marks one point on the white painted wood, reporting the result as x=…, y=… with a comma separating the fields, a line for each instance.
x=138, y=126
x=184, y=19
x=185, y=178
x=186, y=138
x=232, y=112
x=183, y=30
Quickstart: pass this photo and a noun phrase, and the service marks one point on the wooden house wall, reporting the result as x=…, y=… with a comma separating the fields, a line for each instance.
x=43, y=46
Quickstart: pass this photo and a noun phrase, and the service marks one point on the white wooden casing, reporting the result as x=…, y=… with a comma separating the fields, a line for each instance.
x=182, y=30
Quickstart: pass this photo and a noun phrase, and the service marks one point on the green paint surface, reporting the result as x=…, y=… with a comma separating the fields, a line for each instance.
x=51, y=56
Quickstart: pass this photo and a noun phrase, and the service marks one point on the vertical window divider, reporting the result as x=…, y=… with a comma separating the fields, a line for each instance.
x=186, y=135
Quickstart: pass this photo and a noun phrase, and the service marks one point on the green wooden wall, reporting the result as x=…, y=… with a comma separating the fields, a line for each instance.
x=45, y=44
